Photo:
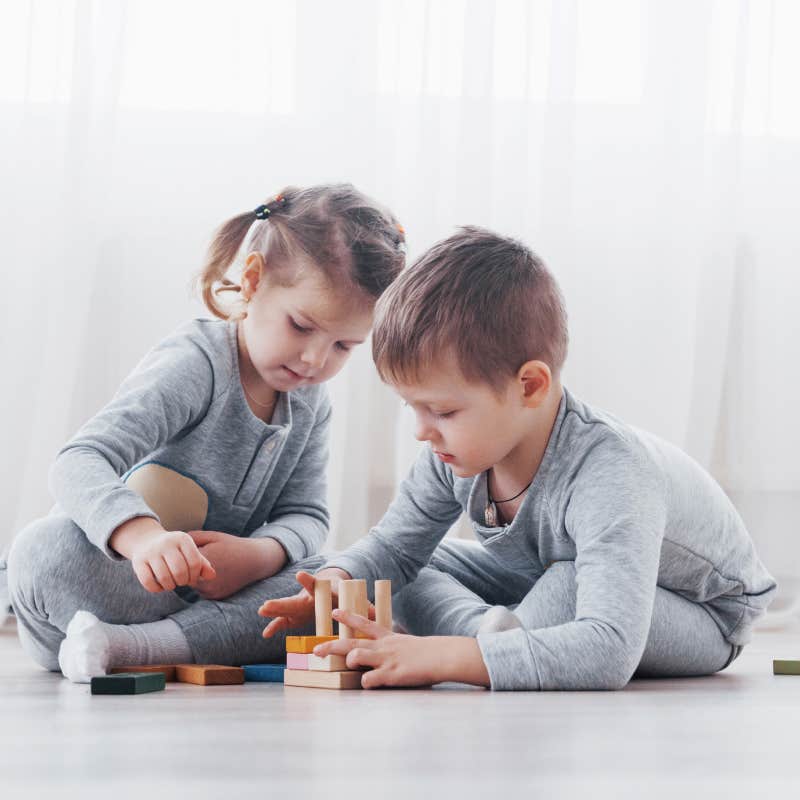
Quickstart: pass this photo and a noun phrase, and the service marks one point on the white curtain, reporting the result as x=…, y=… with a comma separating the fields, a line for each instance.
x=649, y=151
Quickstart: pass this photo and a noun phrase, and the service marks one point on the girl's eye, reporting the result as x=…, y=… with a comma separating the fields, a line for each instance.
x=445, y=414
x=342, y=346
x=298, y=327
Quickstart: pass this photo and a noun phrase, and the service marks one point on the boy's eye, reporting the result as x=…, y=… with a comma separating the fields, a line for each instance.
x=343, y=346
x=297, y=326
x=444, y=414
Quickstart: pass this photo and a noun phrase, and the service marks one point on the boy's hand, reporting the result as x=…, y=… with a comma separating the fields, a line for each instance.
x=401, y=660
x=297, y=611
x=237, y=562
x=167, y=560
x=395, y=659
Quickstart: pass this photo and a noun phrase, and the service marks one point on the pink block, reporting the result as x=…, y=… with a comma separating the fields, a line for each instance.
x=297, y=660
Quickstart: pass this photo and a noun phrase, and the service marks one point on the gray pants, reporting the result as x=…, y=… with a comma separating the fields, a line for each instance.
x=463, y=579
x=54, y=571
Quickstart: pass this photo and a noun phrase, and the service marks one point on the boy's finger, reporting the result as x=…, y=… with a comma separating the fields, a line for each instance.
x=374, y=679
x=178, y=567
x=363, y=657
x=194, y=560
x=162, y=573
x=341, y=647
x=281, y=606
x=278, y=624
x=360, y=624
x=306, y=580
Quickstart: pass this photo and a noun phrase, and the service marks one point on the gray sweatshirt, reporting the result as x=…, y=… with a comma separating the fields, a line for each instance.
x=183, y=407
x=631, y=511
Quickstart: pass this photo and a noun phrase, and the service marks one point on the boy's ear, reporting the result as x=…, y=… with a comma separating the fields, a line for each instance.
x=535, y=380
x=252, y=274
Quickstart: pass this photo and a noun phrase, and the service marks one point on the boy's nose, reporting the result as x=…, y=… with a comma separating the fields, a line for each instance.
x=314, y=358
x=423, y=432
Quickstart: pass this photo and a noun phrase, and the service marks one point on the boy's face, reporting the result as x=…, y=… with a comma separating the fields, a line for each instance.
x=467, y=424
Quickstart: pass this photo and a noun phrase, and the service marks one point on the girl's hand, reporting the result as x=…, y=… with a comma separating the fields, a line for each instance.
x=297, y=611
x=237, y=561
x=163, y=560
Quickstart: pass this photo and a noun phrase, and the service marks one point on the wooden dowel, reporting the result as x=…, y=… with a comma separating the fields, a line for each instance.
x=347, y=602
x=383, y=603
x=323, y=607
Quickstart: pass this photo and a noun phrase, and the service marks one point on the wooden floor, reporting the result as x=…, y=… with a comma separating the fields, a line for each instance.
x=732, y=735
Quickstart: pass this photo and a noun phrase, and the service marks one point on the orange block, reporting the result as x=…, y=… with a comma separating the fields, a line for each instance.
x=322, y=680
x=306, y=644
x=168, y=670
x=209, y=674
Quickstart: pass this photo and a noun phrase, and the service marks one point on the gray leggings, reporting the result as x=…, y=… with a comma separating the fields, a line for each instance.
x=54, y=571
x=463, y=579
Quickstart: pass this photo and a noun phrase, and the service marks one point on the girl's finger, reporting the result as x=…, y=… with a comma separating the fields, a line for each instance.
x=374, y=679
x=162, y=573
x=146, y=577
x=360, y=624
x=306, y=580
x=283, y=606
x=341, y=647
x=278, y=624
x=178, y=568
x=207, y=571
x=194, y=561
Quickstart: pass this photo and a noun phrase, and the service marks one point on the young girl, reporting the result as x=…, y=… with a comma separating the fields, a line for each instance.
x=206, y=472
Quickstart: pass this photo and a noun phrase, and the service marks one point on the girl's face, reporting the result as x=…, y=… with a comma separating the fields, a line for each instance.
x=301, y=334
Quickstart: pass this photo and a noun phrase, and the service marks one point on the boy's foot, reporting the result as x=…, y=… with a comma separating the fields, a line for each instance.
x=92, y=647
x=497, y=619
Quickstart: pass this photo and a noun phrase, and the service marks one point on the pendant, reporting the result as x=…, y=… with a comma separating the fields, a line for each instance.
x=490, y=514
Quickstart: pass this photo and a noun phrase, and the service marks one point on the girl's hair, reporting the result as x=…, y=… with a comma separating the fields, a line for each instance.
x=348, y=236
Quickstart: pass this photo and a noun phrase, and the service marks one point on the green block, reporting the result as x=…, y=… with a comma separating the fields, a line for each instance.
x=129, y=683
x=785, y=667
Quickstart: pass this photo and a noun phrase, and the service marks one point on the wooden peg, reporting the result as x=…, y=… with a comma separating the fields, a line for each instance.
x=323, y=607
x=362, y=602
x=347, y=602
x=383, y=603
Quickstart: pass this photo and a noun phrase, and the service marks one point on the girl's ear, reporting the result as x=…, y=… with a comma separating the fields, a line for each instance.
x=534, y=379
x=252, y=274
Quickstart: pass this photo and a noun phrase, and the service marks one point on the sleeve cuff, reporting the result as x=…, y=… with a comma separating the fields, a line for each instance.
x=299, y=535
x=509, y=660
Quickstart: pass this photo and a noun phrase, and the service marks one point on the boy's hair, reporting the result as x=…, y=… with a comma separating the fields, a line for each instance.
x=354, y=241
x=487, y=299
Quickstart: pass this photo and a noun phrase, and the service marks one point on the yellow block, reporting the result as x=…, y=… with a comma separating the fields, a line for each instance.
x=306, y=644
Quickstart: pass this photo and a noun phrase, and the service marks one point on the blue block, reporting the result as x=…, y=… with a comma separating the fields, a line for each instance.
x=265, y=673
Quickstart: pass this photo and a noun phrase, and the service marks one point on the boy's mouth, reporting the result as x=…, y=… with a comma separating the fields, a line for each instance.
x=446, y=457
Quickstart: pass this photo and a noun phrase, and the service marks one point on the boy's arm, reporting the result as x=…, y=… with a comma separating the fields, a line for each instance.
x=299, y=519
x=401, y=544
x=168, y=391
x=616, y=515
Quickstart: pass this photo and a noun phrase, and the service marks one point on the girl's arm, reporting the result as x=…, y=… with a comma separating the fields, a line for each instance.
x=299, y=518
x=169, y=391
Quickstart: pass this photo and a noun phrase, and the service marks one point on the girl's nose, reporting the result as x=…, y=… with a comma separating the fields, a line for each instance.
x=315, y=357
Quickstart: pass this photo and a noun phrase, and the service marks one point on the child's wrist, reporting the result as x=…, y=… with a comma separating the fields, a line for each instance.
x=273, y=556
x=133, y=533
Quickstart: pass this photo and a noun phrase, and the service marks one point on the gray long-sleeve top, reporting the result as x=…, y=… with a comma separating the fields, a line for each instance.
x=631, y=511
x=183, y=407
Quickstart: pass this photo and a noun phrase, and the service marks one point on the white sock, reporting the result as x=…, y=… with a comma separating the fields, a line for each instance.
x=92, y=647
x=497, y=619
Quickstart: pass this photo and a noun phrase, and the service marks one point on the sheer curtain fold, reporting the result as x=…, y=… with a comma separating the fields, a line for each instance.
x=648, y=151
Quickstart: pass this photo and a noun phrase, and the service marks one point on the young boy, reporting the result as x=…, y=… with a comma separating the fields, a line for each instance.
x=602, y=551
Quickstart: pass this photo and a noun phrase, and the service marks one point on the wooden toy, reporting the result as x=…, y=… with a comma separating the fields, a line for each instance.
x=263, y=673
x=168, y=670
x=306, y=644
x=129, y=683
x=305, y=669
x=322, y=680
x=785, y=667
x=209, y=674
x=331, y=663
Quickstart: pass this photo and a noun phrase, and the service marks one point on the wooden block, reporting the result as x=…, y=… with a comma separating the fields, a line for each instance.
x=305, y=644
x=362, y=603
x=785, y=667
x=347, y=602
x=209, y=674
x=322, y=680
x=168, y=670
x=129, y=683
x=323, y=605
x=263, y=673
x=332, y=663
x=383, y=603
